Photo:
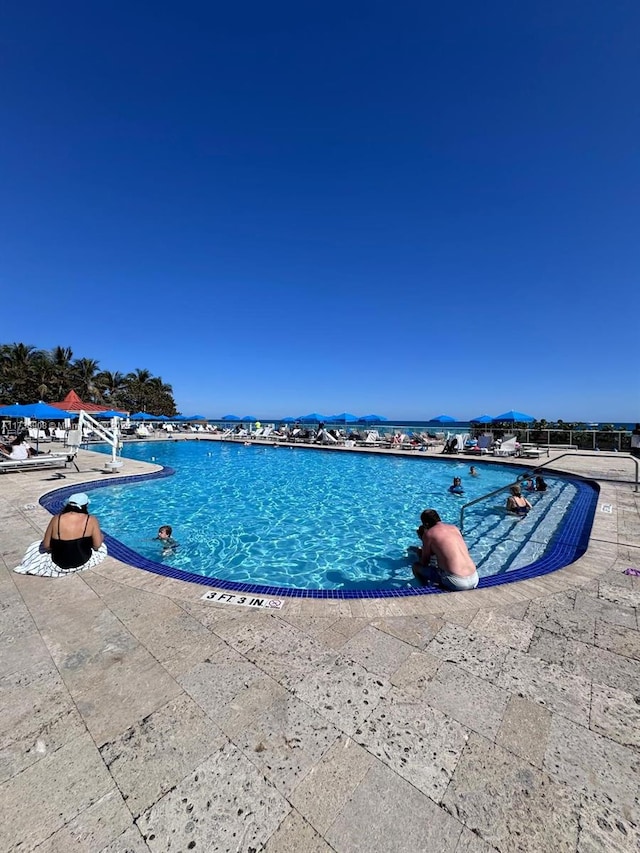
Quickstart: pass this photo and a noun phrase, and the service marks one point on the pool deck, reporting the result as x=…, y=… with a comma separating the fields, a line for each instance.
x=137, y=717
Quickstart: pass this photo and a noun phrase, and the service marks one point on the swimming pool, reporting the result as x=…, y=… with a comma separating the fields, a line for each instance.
x=327, y=524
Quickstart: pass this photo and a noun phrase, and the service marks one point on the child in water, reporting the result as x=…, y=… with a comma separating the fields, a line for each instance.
x=169, y=544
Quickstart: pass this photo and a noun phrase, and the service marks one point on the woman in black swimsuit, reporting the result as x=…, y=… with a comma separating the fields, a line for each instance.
x=72, y=536
x=516, y=503
x=72, y=542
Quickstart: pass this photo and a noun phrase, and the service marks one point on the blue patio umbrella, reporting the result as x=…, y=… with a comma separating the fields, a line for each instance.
x=248, y=418
x=443, y=419
x=288, y=420
x=313, y=418
x=38, y=411
x=229, y=418
x=197, y=418
x=343, y=418
x=514, y=418
x=142, y=416
x=482, y=419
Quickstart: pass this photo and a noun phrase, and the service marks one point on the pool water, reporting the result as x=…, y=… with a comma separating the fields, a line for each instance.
x=311, y=520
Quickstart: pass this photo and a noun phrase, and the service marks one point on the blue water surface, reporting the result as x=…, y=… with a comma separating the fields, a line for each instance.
x=317, y=520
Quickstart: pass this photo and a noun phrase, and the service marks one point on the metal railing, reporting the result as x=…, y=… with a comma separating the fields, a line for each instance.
x=532, y=473
x=600, y=456
x=516, y=482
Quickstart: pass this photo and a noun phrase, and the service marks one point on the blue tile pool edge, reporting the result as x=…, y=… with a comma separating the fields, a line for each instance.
x=568, y=545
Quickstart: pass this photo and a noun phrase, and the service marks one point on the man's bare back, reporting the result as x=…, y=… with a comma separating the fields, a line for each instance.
x=445, y=542
x=456, y=570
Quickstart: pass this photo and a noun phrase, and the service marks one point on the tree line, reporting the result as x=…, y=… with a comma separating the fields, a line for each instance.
x=28, y=374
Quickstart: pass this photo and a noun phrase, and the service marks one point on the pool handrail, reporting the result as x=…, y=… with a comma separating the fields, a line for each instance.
x=516, y=482
x=525, y=476
x=600, y=456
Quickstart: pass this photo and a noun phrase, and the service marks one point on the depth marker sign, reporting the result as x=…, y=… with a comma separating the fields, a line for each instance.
x=244, y=600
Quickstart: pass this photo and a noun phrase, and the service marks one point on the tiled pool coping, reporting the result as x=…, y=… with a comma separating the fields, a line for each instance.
x=569, y=544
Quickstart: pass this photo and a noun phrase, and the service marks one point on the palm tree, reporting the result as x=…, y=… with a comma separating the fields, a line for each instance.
x=61, y=370
x=137, y=388
x=19, y=373
x=110, y=384
x=84, y=373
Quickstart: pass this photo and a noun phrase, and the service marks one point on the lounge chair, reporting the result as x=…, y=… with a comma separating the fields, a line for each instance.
x=507, y=448
x=38, y=435
x=483, y=446
x=42, y=460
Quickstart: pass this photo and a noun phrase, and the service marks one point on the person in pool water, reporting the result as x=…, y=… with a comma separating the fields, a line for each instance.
x=517, y=504
x=169, y=544
x=456, y=487
x=455, y=568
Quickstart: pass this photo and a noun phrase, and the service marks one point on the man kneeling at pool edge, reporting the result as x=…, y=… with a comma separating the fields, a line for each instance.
x=456, y=570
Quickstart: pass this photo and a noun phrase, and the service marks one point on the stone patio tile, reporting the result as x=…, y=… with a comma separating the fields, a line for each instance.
x=516, y=610
x=37, y=717
x=620, y=588
x=617, y=639
x=216, y=682
x=93, y=829
x=415, y=673
x=593, y=764
x=378, y=652
x=341, y=631
x=256, y=630
x=286, y=740
x=503, y=630
x=385, y=814
x=38, y=791
x=548, y=646
x=607, y=611
x=294, y=834
x=315, y=626
x=172, y=636
x=547, y=684
x=557, y=614
x=472, y=843
x=419, y=743
x=415, y=630
x=477, y=654
x=154, y=754
x=341, y=690
x=21, y=644
x=130, y=841
x=472, y=701
x=510, y=804
x=603, y=667
x=327, y=787
x=135, y=684
x=463, y=618
x=248, y=704
x=616, y=715
x=225, y=799
x=525, y=730
x=288, y=655
x=603, y=828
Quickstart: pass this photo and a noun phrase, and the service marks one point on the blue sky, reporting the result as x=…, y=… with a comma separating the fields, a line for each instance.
x=408, y=208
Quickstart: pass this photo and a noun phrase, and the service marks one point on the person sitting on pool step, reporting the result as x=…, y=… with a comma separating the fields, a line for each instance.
x=516, y=503
x=455, y=569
